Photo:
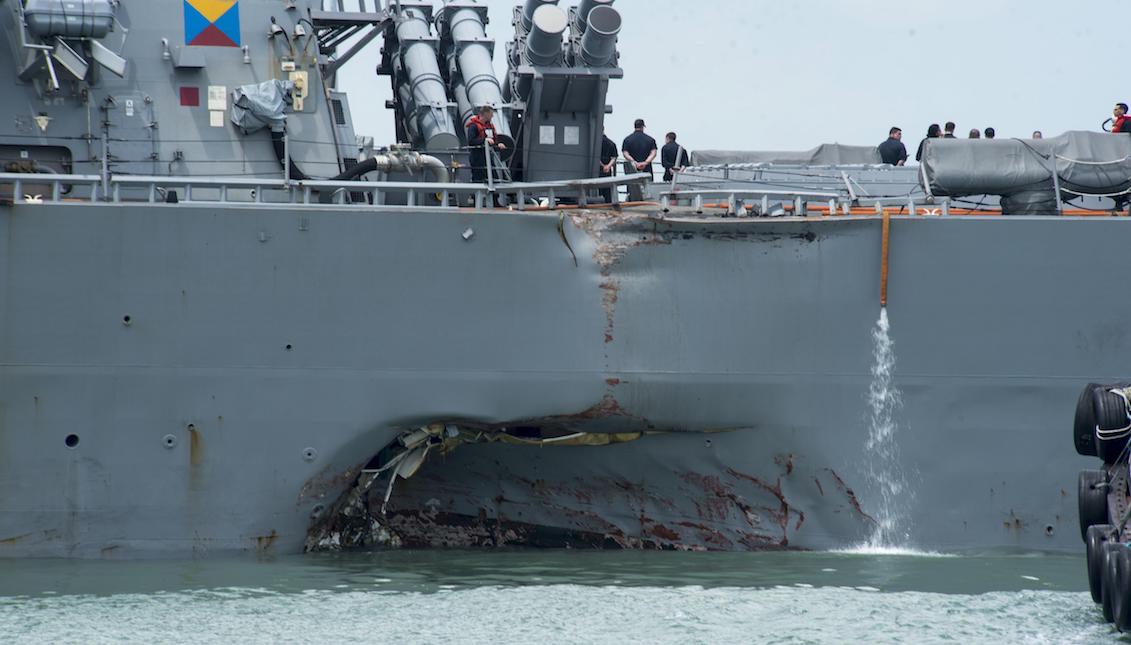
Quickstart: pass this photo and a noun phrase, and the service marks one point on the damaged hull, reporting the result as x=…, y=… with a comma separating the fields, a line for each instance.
x=225, y=373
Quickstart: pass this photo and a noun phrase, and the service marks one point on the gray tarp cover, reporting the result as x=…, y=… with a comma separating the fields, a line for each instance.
x=261, y=105
x=1092, y=163
x=828, y=154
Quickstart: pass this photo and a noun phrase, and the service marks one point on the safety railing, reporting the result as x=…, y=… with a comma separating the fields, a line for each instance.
x=735, y=201
x=253, y=191
x=29, y=187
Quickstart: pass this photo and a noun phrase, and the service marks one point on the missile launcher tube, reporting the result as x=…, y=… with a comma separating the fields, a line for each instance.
x=423, y=84
x=544, y=40
x=583, y=9
x=529, y=9
x=476, y=71
x=599, y=44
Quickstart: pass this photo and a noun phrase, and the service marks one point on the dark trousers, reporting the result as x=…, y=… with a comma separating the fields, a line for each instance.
x=607, y=193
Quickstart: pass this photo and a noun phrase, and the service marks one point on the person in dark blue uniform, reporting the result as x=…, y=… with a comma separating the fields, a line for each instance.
x=673, y=157
x=608, y=161
x=892, y=151
x=639, y=150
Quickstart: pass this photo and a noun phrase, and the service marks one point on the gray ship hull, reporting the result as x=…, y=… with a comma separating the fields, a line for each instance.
x=269, y=355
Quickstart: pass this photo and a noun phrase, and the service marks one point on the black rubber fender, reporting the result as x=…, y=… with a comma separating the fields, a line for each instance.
x=1084, y=423
x=1107, y=578
x=1091, y=500
x=1098, y=535
x=1111, y=414
x=1121, y=601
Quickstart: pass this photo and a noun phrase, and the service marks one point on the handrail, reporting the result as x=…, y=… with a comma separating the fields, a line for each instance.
x=57, y=182
x=308, y=192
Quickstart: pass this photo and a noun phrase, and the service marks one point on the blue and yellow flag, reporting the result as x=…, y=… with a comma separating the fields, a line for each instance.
x=212, y=23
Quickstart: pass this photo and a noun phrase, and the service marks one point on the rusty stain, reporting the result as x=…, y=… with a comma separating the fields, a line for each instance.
x=664, y=533
x=800, y=520
x=612, y=382
x=782, y=514
x=717, y=508
x=710, y=536
x=786, y=461
x=46, y=535
x=196, y=445
x=852, y=499
x=1014, y=523
x=820, y=488
x=265, y=542
x=326, y=482
x=15, y=539
x=610, y=294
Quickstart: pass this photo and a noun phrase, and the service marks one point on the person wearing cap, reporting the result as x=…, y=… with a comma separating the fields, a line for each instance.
x=639, y=150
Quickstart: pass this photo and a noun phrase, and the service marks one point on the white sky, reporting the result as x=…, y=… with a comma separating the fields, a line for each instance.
x=791, y=74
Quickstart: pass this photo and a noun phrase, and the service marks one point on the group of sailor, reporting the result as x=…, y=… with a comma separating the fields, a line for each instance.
x=893, y=152
x=638, y=150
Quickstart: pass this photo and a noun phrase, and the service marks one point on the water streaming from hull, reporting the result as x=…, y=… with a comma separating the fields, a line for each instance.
x=883, y=467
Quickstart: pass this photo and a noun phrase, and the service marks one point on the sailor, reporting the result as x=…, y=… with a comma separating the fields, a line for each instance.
x=1037, y=134
x=990, y=133
x=948, y=130
x=933, y=132
x=608, y=161
x=975, y=133
x=1121, y=122
x=673, y=157
x=480, y=135
x=892, y=151
x=639, y=150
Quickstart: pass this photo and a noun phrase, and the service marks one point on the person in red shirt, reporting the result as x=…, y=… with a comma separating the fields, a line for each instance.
x=1121, y=123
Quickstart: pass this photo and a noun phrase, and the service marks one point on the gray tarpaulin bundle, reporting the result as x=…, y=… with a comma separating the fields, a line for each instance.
x=1021, y=170
x=829, y=154
x=261, y=105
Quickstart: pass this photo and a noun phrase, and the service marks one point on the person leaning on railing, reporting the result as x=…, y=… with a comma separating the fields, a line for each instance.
x=480, y=134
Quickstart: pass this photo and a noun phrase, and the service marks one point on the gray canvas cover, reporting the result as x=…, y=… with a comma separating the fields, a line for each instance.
x=1091, y=163
x=828, y=154
x=261, y=105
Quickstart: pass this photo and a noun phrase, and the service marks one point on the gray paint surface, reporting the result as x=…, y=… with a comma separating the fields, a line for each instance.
x=394, y=320
x=272, y=350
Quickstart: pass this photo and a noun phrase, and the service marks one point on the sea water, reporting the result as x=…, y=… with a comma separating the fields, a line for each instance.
x=556, y=597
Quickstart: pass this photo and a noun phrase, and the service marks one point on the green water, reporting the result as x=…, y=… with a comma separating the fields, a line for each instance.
x=556, y=597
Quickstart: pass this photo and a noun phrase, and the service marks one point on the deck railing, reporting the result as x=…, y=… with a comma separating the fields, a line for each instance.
x=47, y=188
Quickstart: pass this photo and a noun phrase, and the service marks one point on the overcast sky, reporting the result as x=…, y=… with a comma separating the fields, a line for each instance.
x=789, y=75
